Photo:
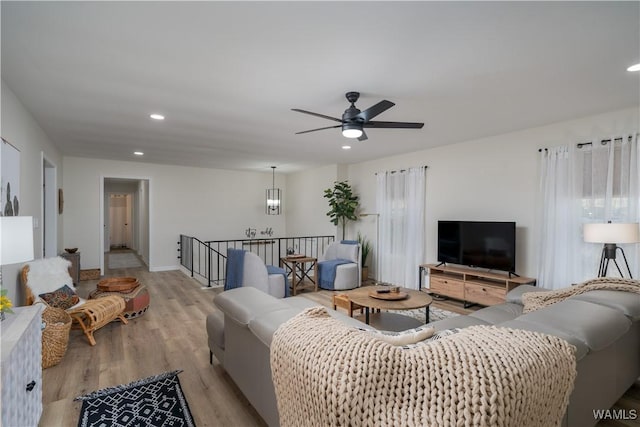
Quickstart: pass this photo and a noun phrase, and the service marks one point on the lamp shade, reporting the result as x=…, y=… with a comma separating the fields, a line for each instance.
x=612, y=233
x=16, y=234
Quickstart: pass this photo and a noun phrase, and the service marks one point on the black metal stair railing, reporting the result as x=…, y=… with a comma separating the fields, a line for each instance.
x=207, y=260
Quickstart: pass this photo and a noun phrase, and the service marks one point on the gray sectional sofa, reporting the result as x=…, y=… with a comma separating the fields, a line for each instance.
x=604, y=326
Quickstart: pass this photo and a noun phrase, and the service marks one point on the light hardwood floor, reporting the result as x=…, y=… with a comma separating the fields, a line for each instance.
x=171, y=335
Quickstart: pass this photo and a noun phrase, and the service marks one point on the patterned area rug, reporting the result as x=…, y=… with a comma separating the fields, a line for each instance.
x=153, y=401
x=434, y=314
x=124, y=260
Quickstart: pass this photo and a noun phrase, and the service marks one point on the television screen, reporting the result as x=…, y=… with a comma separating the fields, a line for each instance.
x=488, y=244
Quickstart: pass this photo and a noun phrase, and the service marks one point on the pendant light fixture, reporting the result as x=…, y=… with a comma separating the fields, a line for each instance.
x=274, y=196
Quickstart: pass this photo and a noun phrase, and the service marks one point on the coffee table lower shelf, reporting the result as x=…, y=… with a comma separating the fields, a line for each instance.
x=386, y=321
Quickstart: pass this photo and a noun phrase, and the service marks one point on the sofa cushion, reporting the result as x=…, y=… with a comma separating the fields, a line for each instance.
x=245, y=303
x=515, y=295
x=457, y=322
x=626, y=302
x=348, y=252
x=595, y=325
x=581, y=348
x=498, y=313
x=264, y=325
x=301, y=302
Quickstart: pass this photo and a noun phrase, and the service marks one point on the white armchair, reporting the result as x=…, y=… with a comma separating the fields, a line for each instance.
x=254, y=273
x=339, y=268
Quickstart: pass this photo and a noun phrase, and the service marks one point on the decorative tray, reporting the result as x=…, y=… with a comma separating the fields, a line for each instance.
x=390, y=296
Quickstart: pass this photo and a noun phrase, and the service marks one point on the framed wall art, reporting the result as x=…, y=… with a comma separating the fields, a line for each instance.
x=9, y=179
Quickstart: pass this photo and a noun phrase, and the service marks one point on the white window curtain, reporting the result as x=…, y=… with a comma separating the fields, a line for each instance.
x=593, y=184
x=400, y=199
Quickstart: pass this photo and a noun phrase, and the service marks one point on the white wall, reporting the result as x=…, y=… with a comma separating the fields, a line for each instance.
x=492, y=178
x=205, y=203
x=305, y=206
x=19, y=128
x=143, y=220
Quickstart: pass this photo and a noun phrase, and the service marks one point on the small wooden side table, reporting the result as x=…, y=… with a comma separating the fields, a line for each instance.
x=297, y=268
x=74, y=270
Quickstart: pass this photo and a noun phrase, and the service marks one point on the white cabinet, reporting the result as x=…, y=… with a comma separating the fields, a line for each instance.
x=21, y=358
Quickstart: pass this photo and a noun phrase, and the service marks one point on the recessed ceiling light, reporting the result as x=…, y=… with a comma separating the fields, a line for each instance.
x=634, y=68
x=138, y=153
x=155, y=116
x=346, y=147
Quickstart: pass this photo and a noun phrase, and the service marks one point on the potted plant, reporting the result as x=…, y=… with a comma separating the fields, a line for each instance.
x=342, y=203
x=365, y=250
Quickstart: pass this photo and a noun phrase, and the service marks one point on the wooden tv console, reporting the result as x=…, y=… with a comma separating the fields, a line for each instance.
x=470, y=285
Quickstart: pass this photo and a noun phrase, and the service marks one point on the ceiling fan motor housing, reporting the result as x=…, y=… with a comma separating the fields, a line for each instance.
x=354, y=121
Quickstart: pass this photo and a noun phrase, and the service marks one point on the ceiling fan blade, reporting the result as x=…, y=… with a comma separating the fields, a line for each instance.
x=317, y=115
x=373, y=111
x=313, y=130
x=395, y=125
x=363, y=137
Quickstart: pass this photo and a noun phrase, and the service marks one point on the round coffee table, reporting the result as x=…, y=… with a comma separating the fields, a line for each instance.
x=415, y=299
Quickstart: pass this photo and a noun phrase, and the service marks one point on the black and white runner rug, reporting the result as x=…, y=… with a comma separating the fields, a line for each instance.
x=155, y=401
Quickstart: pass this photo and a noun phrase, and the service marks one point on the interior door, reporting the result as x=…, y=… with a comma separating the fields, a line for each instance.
x=117, y=221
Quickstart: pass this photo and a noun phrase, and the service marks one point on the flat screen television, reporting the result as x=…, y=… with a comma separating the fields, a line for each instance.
x=488, y=244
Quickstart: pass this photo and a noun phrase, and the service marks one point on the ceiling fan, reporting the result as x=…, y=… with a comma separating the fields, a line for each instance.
x=354, y=121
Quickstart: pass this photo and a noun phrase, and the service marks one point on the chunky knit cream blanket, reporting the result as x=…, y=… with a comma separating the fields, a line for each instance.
x=329, y=374
x=535, y=300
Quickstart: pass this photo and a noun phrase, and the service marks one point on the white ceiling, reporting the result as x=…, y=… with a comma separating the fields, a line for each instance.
x=227, y=74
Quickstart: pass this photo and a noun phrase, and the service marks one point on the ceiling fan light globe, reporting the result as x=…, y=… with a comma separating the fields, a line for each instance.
x=351, y=131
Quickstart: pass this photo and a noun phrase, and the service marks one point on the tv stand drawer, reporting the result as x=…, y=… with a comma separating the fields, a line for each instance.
x=484, y=294
x=446, y=286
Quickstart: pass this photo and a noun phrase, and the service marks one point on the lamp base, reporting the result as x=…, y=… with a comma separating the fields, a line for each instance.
x=609, y=254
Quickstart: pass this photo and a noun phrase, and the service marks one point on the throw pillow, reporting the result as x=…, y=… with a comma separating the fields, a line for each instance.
x=63, y=298
x=410, y=336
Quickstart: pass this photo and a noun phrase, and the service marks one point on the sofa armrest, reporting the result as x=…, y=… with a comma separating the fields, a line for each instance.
x=245, y=303
x=515, y=295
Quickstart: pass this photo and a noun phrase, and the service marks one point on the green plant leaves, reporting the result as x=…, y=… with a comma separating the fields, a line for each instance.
x=342, y=204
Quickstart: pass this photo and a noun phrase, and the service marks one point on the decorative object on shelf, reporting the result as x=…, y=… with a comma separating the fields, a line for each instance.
x=71, y=250
x=274, y=196
x=290, y=251
x=342, y=204
x=10, y=179
x=16, y=233
x=389, y=295
x=611, y=235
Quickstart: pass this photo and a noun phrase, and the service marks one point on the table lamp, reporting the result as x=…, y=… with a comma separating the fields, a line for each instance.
x=16, y=236
x=612, y=235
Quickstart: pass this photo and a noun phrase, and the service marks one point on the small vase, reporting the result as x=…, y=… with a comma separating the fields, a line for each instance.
x=1, y=316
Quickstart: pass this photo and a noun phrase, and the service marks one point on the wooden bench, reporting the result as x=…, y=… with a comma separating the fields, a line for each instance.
x=343, y=301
